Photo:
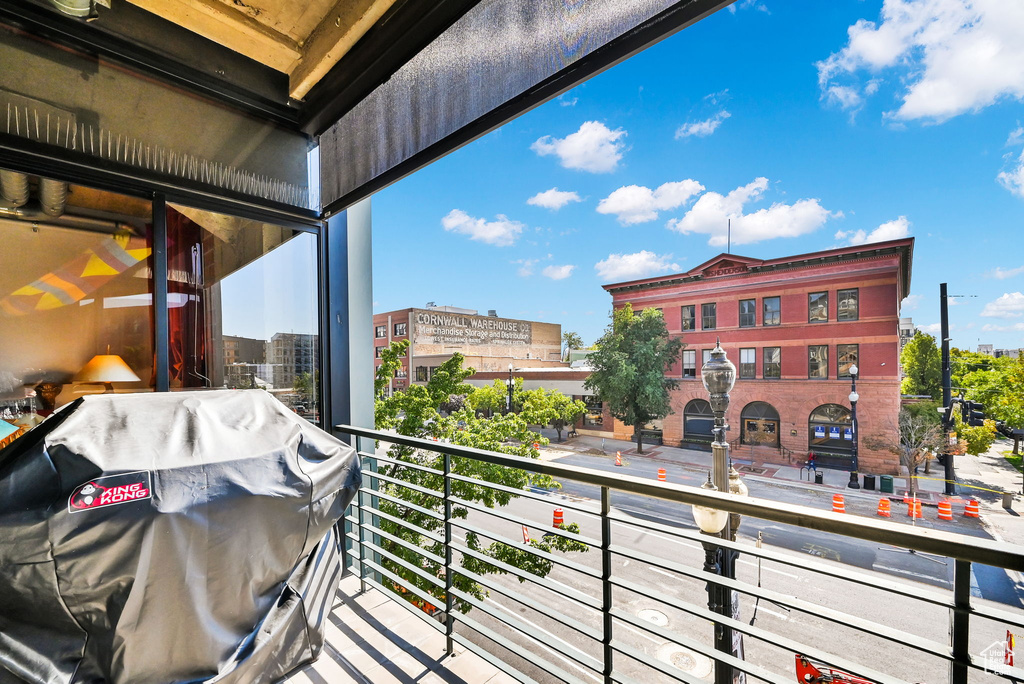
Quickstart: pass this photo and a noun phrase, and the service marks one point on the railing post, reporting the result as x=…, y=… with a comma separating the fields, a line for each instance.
x=361, y=500
x=449, y=620
x=606, y=577
x=960, y=628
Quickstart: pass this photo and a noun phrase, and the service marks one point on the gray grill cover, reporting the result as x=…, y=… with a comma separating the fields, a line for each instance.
x=171, y=537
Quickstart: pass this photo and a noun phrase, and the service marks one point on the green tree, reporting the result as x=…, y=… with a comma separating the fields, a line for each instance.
x=493, y=398
x=570, y=341
x=550, y=407
x=629, y=368
x=922, y=365
x=977, y=438
x=998, y=384
x=412, y=504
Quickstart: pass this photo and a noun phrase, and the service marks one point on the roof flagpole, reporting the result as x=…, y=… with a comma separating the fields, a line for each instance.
x=729, y=248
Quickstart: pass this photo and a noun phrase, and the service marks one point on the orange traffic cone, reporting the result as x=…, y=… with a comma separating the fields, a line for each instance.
x=536, y=446
x=884, y=508
x=618, y=458
x=971, y=510
x=838, y=504
x=526, y=535
x=557, y=520
x=914, y=508
x=945, y=511
x=662, y=474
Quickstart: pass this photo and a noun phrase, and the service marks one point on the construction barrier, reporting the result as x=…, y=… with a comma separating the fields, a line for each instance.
x=945, y=511
x=536, y=446
x=618, y=458
x=662, y=475
x=884, y=508
x=914, y=509
x=526, y=535
x=838, y=504
x=971, y=509
x=557, y=520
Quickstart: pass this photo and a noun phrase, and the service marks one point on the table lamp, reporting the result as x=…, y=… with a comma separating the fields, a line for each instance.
x=106, y=369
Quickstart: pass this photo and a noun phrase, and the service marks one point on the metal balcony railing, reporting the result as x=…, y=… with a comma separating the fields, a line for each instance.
x=635, y=609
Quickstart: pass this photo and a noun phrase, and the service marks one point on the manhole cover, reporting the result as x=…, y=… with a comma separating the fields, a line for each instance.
x=653, y=616
x=751, y=469
x=686, y=660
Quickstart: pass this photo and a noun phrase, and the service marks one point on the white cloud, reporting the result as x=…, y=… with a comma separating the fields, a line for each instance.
x=638, y=204
x=1004, y=273
x=749, y=4
x=911, y=302
x=952, y=56
x=558, y=272
x=931, y=328
x=594, y=148
x=702, y=129
x=525, y=269
x=890, y=230
x=501, y=232
x=567, y=101
x=1008, y=305
x=712, y=211
x=553, y=199
x=1016, y=137
x=989, y=327
x=621, y=267
x=1013, y=179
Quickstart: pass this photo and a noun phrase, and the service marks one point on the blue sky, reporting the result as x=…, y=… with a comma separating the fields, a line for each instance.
x=809, y=124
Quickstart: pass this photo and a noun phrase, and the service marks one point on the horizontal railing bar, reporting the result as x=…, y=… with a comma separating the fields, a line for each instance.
x=399, y=501
x=425, y=576
x=999, y=615
x=498, y=612
x=405, y=604
x=528, y=492
x=434, y=558
x=548, y=529
x=530, y=603
x=494, y=660
x=801, y=562
x=553, y=558
x=416, y=591
x=400, y=462
x=938, y=542
x=509, y=645
x=823, y=612
x=758, y=633
x=572, y=594
x=664, y=668
x=433, y=536
x=399, y=482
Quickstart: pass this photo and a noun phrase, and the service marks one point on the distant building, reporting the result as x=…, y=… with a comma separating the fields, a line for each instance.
x=488, y=343
x=244, y=350
x=793, y=327
x=907, y=331
x=987, y=349
x=1012, y=353
x=289, y=355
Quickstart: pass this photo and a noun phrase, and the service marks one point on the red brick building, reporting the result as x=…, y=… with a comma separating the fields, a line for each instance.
x=793, y=326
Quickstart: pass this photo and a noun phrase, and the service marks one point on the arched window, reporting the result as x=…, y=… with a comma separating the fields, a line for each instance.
x=830, y=430
x=759, y=424
x=698, y=421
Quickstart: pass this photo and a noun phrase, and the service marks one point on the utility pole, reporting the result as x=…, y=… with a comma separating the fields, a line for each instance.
x=947, y=393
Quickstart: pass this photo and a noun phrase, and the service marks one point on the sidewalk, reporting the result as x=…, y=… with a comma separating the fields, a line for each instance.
x=984, y=477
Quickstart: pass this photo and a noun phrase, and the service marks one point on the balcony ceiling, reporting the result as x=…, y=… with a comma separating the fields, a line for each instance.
x=302, y=40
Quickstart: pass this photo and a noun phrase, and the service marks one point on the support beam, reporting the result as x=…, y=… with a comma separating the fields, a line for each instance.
x=331, y=40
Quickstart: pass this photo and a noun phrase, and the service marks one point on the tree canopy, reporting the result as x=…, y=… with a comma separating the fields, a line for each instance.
x=570, y=341
x=921, y=361
x=629, y=367
x=997, y=383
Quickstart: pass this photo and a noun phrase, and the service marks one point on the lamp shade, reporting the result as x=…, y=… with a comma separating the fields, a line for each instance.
x=719, y=377
x=106, y=368
x=710, y=520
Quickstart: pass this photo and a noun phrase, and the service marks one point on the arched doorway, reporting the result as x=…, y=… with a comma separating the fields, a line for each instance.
x=759, y=424
x=830, y=435
x=698, y=422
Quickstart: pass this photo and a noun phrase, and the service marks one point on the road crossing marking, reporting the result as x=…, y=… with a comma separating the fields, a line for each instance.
x=887, y=568
x=762, y=609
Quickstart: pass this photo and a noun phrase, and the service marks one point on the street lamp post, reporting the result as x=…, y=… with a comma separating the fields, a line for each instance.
x=719, y=377
x=511, y=384
x=854, y=484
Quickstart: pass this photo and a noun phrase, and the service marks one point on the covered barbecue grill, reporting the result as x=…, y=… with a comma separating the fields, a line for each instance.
x=169, y=537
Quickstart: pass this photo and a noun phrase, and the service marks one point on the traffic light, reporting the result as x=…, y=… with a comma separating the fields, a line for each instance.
x=973, y=413
x=947, y=413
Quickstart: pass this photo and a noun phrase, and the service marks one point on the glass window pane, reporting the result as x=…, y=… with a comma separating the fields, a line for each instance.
x=748, y=363
x=848, y=307
x=707, y=316
x=772, y=311
x=846, y=356
x=747, y=313
x=252, y=281
x=689, y=363
x=772, y=362
x=817, y=361
x=687, y=316
x=70, y=294
x=817, y=307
